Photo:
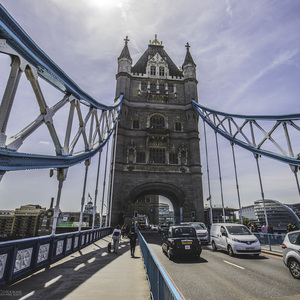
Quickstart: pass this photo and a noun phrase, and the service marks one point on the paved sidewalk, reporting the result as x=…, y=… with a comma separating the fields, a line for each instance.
x=90, y=273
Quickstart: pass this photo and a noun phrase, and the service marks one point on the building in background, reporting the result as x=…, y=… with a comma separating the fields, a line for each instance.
x=26, y=221
x=165, y=215
x=6, y=222
x=279, y=214
x=147, y=205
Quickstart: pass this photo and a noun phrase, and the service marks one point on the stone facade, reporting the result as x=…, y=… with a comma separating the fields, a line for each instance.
x=157, y=149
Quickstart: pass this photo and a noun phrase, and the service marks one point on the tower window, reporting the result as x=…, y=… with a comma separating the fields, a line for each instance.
x=157, y=122
x=161, y=71
x=171, y=88
x=144, y=86
x=140, y=157
x=152, y=70
x=152, y=86
x=157, y=155
x=135, y=124
x=178, y=126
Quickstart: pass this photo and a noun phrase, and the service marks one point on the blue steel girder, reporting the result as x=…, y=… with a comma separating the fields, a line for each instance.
x=271, y=136
x=93, y=128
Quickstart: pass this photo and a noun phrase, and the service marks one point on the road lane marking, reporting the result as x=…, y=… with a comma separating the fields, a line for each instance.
x=227, y=262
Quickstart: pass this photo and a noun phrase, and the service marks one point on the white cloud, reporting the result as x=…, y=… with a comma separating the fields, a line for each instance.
x=247, y=56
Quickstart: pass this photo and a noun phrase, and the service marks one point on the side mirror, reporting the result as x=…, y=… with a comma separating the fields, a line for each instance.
x=224, y=233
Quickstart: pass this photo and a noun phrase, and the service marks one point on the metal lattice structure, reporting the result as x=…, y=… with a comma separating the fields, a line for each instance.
x=92, y=128
x=271, y=136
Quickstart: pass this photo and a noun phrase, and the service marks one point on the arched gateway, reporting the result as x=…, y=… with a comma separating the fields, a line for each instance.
x=157, y=149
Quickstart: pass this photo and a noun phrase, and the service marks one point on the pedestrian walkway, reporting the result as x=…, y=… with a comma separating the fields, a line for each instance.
x=91, y=273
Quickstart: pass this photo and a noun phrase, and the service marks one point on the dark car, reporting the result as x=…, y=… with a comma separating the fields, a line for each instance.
x=181, y=240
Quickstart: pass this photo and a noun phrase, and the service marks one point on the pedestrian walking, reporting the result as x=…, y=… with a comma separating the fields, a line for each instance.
x=132, y=238
x=264, y=228
x=116, y=238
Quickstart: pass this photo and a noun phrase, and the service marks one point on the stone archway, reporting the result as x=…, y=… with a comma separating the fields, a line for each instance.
x=173, y=193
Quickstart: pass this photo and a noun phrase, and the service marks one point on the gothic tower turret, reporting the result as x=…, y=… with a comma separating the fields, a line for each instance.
x=157, y=152
x=189, y=73
x=124, y=69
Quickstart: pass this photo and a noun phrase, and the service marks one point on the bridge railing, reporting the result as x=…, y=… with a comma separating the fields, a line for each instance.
x=19, y=258
x=272, y=242
x=161, y=286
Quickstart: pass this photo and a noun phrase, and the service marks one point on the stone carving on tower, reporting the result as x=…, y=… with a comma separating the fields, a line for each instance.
x=157, y=149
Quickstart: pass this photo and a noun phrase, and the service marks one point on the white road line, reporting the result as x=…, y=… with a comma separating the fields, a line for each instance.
x=227, y=262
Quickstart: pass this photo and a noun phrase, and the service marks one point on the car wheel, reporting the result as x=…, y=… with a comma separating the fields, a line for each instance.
x=170, y=255
x=214, y=246
x=294, y=267
x=230, y=251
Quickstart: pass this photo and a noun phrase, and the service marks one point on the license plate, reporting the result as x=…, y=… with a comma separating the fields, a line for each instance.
x=187, y=247
x=186, y=242
x=249, y=248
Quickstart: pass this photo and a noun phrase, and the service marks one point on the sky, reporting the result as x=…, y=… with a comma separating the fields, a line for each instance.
x=248, y=62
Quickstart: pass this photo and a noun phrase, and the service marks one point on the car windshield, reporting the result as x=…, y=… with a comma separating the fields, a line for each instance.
x=184, y=232
x=199, y=226
x=238, y=230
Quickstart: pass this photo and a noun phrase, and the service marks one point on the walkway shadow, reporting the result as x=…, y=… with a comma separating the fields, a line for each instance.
x=64, y=276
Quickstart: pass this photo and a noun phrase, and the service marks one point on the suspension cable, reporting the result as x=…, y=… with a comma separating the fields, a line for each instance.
x=237, y=183
x=113, y=171
x=104, y=183
x=96, y=189
x=261, y=188
x=208, y=178
x=220, y=177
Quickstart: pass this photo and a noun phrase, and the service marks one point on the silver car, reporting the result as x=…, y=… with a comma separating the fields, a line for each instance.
x=291, y=252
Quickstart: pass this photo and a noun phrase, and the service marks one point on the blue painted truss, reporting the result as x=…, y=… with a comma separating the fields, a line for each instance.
x=270, y=136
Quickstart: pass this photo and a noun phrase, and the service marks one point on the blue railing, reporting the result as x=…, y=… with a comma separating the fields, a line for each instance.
x=19, y=258
x=272, y=242
x=161, y=286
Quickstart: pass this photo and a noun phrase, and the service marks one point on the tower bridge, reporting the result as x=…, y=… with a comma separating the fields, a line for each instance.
x=151, y=130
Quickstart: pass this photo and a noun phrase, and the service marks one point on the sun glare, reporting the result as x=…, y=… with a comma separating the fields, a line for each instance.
x=106, y=4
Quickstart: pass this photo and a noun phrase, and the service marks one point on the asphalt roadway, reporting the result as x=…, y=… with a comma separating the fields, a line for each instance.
x=219, y=276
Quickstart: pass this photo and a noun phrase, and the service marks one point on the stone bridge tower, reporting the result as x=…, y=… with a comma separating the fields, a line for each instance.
x=158, y=150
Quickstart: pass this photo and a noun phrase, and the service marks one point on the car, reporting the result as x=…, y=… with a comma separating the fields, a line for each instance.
x=202, y=232
x=162, y=228
x=291, y=252
x=181, y=240
x=234, y=238
x=154, y=227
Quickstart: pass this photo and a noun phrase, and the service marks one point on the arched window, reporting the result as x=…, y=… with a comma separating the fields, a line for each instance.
x=157, y=122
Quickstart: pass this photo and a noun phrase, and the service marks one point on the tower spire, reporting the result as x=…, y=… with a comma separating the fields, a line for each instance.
x=188, y=57
x=125, y=52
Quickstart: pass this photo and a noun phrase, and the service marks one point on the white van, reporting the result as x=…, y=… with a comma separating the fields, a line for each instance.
x=234, y=238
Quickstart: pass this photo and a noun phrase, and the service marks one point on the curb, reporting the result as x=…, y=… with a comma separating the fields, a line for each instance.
x=276, y=253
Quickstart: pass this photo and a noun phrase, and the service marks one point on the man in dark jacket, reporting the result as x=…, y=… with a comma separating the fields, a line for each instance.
x=132, y=237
